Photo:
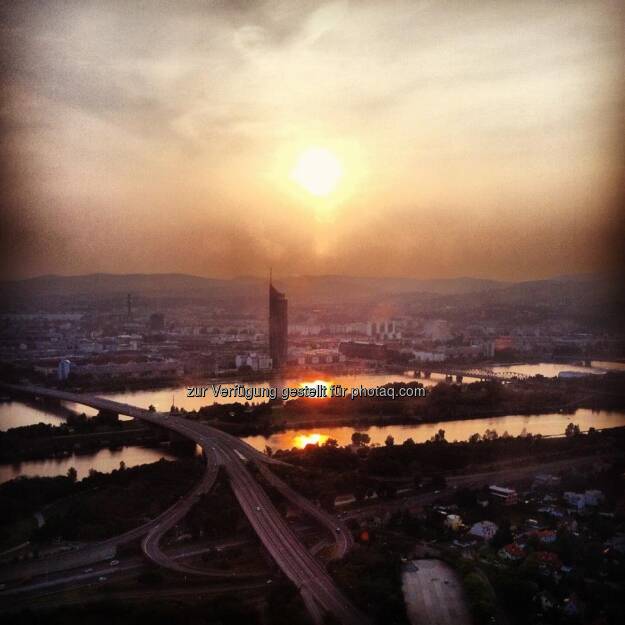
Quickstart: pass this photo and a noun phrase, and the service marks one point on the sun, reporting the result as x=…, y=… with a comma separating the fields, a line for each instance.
x=318, y=171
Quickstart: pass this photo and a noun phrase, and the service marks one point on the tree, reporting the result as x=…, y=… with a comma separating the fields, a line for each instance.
x=122, y=466
x=390, y=441
x=268, y=451
x=439, y=437
x=572, y=430
x=474, y=438
x=490, y=435
x=151, y=408
x=332, y=443
x=72, y=474
x=360, y=439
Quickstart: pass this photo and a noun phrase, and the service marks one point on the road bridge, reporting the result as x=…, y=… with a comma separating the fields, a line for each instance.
x=459, y=373
x=321, y=596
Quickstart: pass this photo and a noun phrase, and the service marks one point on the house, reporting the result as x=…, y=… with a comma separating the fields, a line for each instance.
x=484, y=530
x=552, y=511
x=575, y=500
x=511, y=552
x=593, y=497
x=453, y=521
x=507, y=496
x=547, y=537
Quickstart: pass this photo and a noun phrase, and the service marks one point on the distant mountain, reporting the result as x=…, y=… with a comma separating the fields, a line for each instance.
x=330, y=287
x=105, y=283
x=590, y=295
x=101, y=284
x=306, y=290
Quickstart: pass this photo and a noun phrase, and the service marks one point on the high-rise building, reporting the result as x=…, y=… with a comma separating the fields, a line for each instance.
x=278, y=327
x=157, y=322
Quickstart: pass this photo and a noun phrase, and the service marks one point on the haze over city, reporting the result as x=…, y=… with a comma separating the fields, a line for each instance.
x=311, y=312
x=373, y=138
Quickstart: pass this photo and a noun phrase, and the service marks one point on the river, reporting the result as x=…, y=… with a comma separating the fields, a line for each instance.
x=104, y=460
x=14, y=414
x=552, y=424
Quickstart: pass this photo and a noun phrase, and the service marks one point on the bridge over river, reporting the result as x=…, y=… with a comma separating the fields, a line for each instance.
x=459, y=373
x=321, y=596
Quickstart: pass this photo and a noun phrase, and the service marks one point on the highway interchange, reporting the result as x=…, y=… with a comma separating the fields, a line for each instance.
x=320, y=595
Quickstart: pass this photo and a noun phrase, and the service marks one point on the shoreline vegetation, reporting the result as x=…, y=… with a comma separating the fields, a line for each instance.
x=73, y=508
x=443, y=402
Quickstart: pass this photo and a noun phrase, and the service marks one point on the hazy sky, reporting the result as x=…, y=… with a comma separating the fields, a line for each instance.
x=475, y=138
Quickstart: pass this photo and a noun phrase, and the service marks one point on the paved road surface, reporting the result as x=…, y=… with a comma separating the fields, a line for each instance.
x=320, y=594
x=150, y=544
x=434, y=594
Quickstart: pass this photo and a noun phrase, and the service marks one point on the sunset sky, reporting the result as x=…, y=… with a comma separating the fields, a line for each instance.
x=379, y=138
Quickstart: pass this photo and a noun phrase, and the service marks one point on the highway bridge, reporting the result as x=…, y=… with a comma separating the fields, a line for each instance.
x=459, y=373
x=320, y=594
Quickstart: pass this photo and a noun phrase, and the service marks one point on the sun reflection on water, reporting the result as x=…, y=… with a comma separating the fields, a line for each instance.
x=301, y=440
x=314, y=384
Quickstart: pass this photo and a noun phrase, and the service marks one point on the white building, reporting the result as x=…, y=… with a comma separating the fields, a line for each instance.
x=593, y=497
x=508, y=496
x=64, y=369
x=317, y=356
x=453, y=521
x=383, y=329
x=484, y=530
x=575, y=500
x=423, y=356
x=257, y=362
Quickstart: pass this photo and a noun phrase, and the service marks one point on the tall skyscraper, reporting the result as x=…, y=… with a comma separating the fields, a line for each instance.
x=278, y=326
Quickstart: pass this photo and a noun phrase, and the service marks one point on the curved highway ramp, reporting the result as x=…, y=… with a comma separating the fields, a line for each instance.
x=321, y=596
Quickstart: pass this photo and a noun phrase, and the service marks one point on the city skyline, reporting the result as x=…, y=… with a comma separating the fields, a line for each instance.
x=311, y=312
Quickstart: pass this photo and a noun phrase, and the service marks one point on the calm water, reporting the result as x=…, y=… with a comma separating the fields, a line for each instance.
x=552, y=424
x=162, y=399
x=103, y=460
x=14, y=414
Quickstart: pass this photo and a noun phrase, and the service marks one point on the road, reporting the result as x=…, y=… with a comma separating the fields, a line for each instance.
x=340, y=533
x=150, y=545
x=470, y=480
x=320, y=594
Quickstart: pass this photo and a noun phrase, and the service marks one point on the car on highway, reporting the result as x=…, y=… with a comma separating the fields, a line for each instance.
x=257, y=508
x=101, y=578
x=88, y=571
x=338, y=530
x=113, y=562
